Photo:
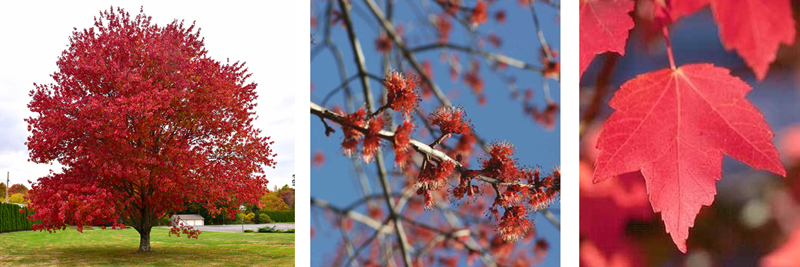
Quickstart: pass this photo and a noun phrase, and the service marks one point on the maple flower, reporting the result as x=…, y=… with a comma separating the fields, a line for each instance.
x=450, y=6
x=401, y=94
x=500, y=164
x=495, y=40
x=401, y=141
x=372, y=140
x=472, y=78
x=465, y=144
x=500, y=16
x=319, y=159
x=338, y=18
x=383, y=44
x=450, y=120
x=545, y=188
x=479, y=14
x=546, y=117
x=465, y=187
x=435, y=176
x=352, y=136
x=552, y=69
x=444, y=26
x=427, y=196
x=514, y=224
x=540, y=249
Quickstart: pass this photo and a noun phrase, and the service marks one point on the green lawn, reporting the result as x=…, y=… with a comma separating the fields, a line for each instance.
x=118, y=247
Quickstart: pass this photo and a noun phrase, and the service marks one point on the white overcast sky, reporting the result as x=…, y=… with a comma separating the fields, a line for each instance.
x=34, y=34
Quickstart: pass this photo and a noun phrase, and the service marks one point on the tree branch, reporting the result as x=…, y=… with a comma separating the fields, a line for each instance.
x=362, y=72
x=496, y=57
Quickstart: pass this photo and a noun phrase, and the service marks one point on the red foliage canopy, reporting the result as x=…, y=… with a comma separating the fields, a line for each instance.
x=17, y=189
x=143, y=121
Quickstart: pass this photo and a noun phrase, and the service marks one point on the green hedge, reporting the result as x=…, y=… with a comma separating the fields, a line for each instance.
x=12, y=220
x=279, y=216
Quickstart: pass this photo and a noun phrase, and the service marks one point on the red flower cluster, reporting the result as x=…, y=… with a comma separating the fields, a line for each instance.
x=444, y=26
x=500, y=16
x=472, y=78
x=514, y=224
x=500, y=165
x=450, y=6
x=545, y=189
x=318, y=159
x=372, y=140
x=525, y=3
x=479, y=14
x=475, y=82
x=450, y=120
x=433, y=177
x=352, y=136
x=465, y=145
x=465, y=187
x=402, y=140
x=383, y=44
x=402, y=96
x=546, y=117
x=552, y=69
x=338, y=18
x=495, y=40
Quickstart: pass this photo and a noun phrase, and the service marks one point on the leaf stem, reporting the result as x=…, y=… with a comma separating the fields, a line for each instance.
x=665, y=31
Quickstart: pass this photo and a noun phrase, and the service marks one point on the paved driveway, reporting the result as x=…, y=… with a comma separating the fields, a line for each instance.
x=237, y=228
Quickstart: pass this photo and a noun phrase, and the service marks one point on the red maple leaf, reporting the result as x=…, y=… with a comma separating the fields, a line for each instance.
x=674, y=125
x=607, y=208
x=681, y=8
x=604, y=27
x=757, y=33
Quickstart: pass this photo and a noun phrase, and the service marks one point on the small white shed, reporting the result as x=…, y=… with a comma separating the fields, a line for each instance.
x=188, y=219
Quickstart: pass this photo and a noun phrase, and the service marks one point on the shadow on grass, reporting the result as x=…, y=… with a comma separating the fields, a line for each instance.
x=112, y=248
x=161, y=255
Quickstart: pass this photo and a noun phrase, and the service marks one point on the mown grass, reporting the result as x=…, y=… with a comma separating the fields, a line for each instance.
x=96, y=247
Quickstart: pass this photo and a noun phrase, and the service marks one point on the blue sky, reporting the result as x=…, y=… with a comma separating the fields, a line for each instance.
x=500, y=119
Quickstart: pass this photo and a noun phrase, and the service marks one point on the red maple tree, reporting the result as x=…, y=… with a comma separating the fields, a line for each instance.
x=143, y=121
x=17, y=189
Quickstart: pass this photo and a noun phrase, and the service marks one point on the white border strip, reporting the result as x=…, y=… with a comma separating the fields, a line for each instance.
x=570, y=120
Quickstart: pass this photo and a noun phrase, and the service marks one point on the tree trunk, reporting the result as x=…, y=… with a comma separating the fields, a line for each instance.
x=144, y=240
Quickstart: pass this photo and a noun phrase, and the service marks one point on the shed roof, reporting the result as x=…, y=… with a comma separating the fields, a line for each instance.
x=187, y=217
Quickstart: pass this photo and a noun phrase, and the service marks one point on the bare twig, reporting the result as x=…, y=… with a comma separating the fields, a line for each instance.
x=362, y=72
x=495, y=57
